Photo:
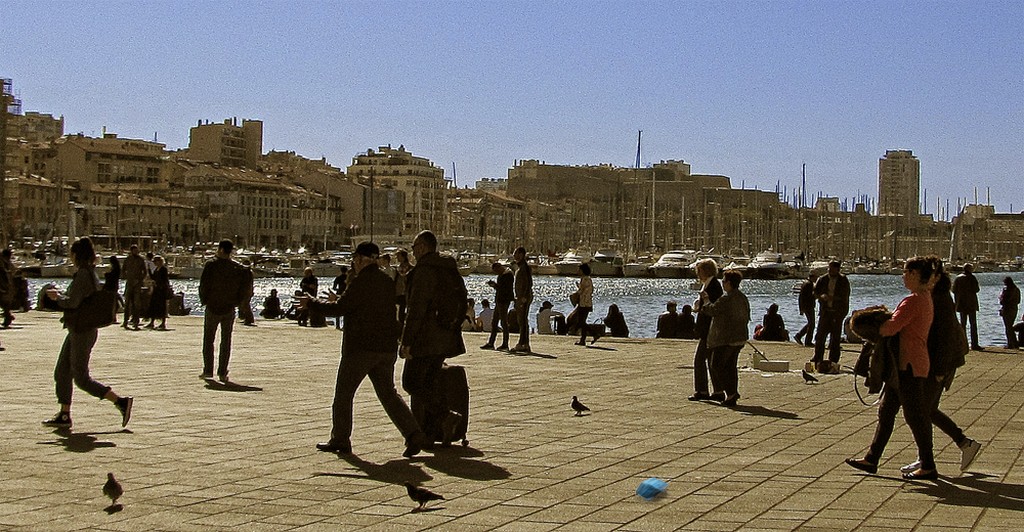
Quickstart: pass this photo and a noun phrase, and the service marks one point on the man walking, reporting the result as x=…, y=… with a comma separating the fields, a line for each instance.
x=504, y=292
x=523, y=288
x=426, y=339
x=134, y=272
x=221, y=289
x=806, y=303
x=965, y=294
x=8, y=288
x=833, y=294
x=368, y=348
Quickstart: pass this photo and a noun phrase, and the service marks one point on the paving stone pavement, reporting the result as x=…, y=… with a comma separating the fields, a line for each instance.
x=200, y=456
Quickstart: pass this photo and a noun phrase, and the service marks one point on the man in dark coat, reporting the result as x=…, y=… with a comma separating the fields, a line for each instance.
x=965, y=294
x=668, y=322
x=806, y=302
x=833, y=294
x=426, y=341
x=222, y=287
x=503, y=295
x=134, y=272
x=523, y=288
x=1009, y=301
x=369, y=347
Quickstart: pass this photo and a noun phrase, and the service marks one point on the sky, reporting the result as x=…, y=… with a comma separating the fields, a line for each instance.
x=748, y=89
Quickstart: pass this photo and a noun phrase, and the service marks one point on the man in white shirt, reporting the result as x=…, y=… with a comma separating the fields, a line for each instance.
x=484, y=318
x=545, y=316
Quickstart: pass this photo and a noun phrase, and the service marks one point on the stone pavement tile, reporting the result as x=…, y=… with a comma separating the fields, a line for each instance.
x=528, y=526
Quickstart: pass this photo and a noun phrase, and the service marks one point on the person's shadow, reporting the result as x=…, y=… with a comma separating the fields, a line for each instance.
x=757, y=410
x=974, y=490
x=82, y=442
x=456, y=462
x=534, y=354
x=391, y=472
x=229, y=386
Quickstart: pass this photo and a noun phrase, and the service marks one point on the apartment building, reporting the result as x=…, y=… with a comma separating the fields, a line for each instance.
x=227, y=143
x=83, y=161
x=423, y=185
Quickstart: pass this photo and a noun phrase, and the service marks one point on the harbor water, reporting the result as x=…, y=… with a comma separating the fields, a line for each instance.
x=641, y=300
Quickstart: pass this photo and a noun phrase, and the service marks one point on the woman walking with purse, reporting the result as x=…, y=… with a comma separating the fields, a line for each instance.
x=912, y=320
x=73, y=361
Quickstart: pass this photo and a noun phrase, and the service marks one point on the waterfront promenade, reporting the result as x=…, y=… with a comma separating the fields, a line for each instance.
x=205, y=456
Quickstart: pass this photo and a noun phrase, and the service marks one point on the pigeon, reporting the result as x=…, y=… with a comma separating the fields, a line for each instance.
x=808, y=378
x=579, y=407
x=112, y=489
x=421, y=495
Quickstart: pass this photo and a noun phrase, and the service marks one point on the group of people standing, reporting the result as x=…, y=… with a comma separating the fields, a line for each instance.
x=723, y=315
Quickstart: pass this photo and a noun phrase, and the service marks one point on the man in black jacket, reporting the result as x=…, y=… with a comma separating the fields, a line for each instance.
x=369, y=347
x=222, y=287
x=503, y=295
x=833, y=294
x=426, y=339
x=806, y=303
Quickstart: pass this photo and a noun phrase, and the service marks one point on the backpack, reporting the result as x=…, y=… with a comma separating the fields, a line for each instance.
x=452, y=296
x=97, y=310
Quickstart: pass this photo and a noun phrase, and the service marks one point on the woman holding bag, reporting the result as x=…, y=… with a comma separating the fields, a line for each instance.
x=73, y=361
x=584, y=302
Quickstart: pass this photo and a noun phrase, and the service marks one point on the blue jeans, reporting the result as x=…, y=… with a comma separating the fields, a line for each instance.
x=211, y=322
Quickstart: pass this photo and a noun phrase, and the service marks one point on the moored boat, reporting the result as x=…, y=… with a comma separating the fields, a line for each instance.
x=673, y=264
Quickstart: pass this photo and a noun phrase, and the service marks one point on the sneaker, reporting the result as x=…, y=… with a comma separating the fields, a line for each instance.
x=61, y=419
x=206, y=375
x=503, y=347
x=448, y=427
x=124, y=404
x=487, y=346
x=699, y=396
x=222, y=377
x=731, y=400
x=717, y=396
x=911, y=467
x=520, y=349
x=968, y=452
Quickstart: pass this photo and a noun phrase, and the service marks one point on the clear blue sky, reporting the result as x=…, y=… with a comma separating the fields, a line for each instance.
x=746, y=89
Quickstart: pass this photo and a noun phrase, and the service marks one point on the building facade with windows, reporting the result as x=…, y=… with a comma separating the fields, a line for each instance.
x=423, y=185
x=227, y=143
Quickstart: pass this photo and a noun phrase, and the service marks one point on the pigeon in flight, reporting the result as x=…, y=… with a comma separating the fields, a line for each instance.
x=421, y=495
x=808, y=378
x=112, y=489
x=579, y=407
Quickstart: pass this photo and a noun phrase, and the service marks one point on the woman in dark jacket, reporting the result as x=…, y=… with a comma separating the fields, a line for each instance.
x=73, y=361
x=160, y=294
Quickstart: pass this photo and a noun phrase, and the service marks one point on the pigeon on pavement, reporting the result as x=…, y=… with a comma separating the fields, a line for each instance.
x=579, y=407
x=421, y=495
x=112, y=489
x=808, y=378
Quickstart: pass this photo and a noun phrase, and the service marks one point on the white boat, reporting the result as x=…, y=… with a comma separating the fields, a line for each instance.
x=818, y=267
x=570, y=262
x=769, y=265
x=606, y=263
x=673, y=264
x=63, y=268
x=636, y=269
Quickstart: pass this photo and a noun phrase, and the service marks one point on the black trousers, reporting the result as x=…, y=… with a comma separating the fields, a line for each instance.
x=917, y=408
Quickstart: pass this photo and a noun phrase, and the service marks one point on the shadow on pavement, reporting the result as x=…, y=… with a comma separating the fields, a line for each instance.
x=534, y=354
x=457, y=466
x=392, y=472
x=756, y=410
x=229, y=386
x=974, y=490
x=82, y=442
x=113, y=508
